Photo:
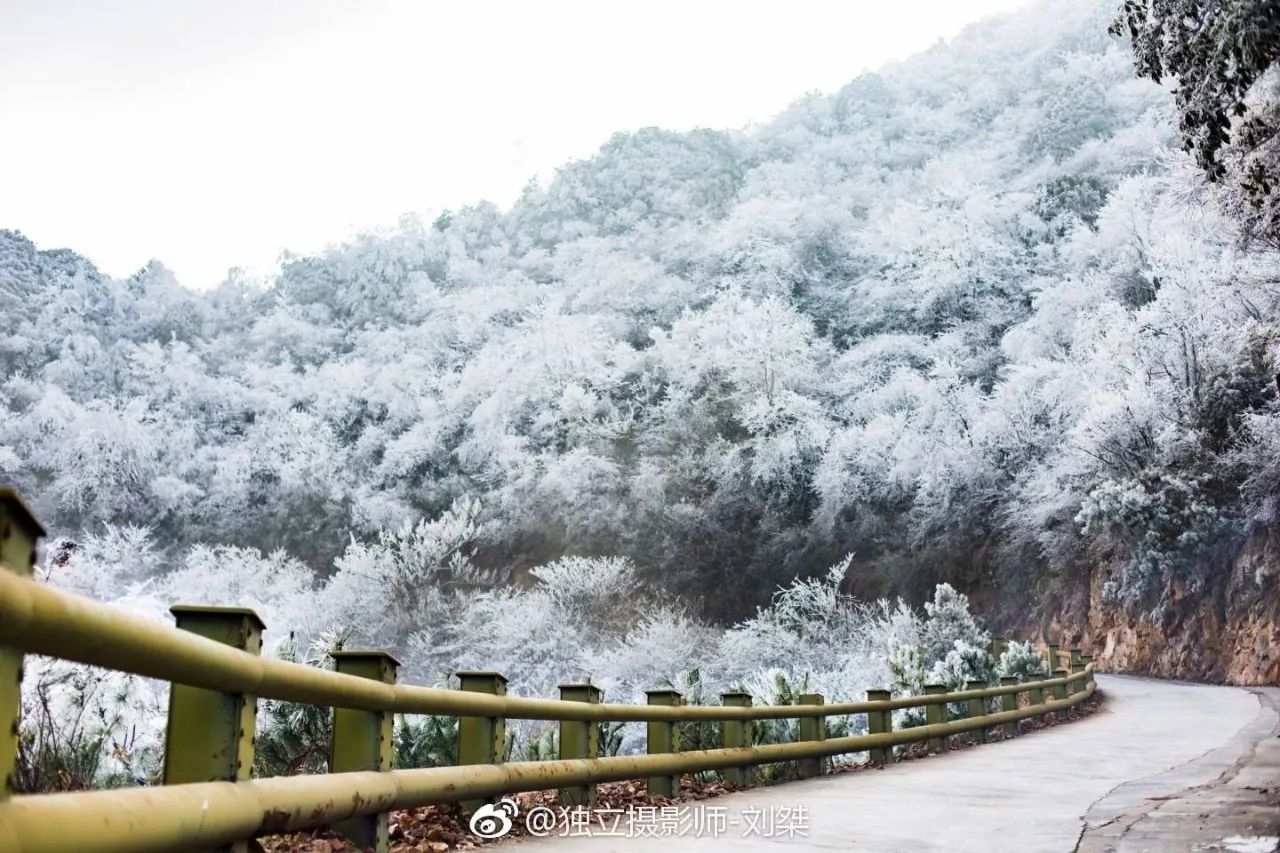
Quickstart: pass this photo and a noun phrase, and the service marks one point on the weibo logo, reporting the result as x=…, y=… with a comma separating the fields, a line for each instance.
x=493, y=820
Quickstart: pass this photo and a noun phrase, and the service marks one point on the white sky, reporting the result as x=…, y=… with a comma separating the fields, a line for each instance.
x=215, y=133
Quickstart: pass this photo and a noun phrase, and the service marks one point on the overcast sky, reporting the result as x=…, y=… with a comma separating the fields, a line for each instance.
x=215, y=133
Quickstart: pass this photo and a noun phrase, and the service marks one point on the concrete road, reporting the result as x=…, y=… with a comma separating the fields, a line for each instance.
x=1040, y=792
x=1227, y=799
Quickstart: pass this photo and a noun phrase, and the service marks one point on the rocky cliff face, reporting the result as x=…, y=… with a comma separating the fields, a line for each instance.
x=1225, y=630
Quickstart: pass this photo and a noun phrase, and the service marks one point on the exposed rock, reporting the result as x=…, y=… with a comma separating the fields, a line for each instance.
x=1225, y=630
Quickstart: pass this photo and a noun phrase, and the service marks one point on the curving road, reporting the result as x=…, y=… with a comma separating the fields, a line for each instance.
x=1164, y=766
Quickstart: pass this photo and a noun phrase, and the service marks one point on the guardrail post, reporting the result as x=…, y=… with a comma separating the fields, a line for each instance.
x=481, y=740
x=812, y=728
x=209, y=736
x=19, y=534
x=1009, y=702
x=880, y=722
x=362, y=741
x=1053, y=657
x=736, y=733
x=936, y=714
x=977, y=708
x=1060, y=691
x=579, y=739
x=663, y=736
x=1087, y=660
x=1035, y=692
x=1076, y=668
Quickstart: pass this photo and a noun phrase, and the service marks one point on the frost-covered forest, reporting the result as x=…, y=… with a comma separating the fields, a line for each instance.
x=961, y=321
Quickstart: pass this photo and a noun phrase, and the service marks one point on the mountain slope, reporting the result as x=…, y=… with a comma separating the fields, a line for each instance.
x=968, y=318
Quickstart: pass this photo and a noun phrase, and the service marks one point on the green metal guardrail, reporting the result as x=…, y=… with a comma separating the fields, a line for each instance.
x=208, y=800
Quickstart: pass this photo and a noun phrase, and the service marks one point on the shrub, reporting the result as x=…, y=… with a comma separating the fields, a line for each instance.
x=698, y=734
x=293, y=737
x=63, y=749
x=907, y=670
x=962, y=664
x=1167, y=521
x=425, y=741
x=1020, y=661
x=948, y=621
x=542, y=744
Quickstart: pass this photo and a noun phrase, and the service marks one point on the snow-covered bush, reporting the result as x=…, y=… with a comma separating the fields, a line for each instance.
x=598, y=595
x=84, y=727
x=948, y=623
x=110, y=561
x=908, y=673
x=281, y=589
x=1021, y=661
x=658, y=650
x=1167, y=521
x=406, y=577
x=294, y=737
x=946, y=646
x=812, y=633
x=964, y=663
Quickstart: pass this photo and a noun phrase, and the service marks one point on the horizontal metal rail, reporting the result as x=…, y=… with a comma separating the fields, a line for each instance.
x=204, y=815
x=39, y=619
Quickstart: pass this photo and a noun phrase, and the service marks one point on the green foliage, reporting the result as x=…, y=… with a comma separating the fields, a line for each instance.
x=610, y=739
x=293, y=738
x=778, y=731
x=425, y=741
x=544, y=742
x=542, y=745
x=698, y=734
x=784, y=692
